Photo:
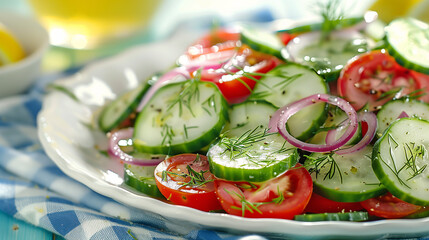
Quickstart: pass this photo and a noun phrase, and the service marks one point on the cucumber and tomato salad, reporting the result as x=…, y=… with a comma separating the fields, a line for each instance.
x=238, y=130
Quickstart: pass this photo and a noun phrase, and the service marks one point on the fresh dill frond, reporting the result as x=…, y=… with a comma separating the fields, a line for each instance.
x=412, y=153
x=332, y=15
x=315, y=165
x=167, y=134
x=239, y=146
x=188, y=93
x=196, y=179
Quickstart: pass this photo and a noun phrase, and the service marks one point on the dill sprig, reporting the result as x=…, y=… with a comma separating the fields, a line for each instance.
x=186, y=128
x=391, y=140
x=210, y=102
x=282, y=85
x=395, y=93
x=242, y=71
x=254, y=206
x=196, y=179
x=255, y=76
x=332, y=16
x=412, y=153
x=167, y=134
x=239, y=146
x=326, y=161
x=188, y=92
x=245, y=205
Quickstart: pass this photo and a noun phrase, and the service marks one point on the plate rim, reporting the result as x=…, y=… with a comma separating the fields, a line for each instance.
x=227, y=222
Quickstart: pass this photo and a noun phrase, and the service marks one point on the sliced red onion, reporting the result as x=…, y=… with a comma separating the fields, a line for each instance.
x=371, y=120
x=207, y=61
x=283, y=114
x=403, y=114
x=331, y=135
x=175, y=75
x=233, y=68
x=116, y=152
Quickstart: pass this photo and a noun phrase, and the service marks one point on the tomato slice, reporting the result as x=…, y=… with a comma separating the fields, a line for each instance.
x=423, y=80
x=185, y=180
x=319, y=204
x=235, y=85
x=287, y=37
x=374, y=78
x=218, y=54
x=217, y=46
x=216, y=36
x=282, y=197
x=388, y=206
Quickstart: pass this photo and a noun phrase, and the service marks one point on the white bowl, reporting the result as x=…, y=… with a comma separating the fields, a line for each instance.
x=17, y=77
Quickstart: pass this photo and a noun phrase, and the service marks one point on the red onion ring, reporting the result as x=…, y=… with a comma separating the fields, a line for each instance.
x=175, y=75
x=283, y=114
x=116, y=152
x=371, y=120
x=331, y=135
x=213, y=60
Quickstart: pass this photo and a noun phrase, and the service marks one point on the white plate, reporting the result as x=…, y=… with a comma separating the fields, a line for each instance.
x=64, y=133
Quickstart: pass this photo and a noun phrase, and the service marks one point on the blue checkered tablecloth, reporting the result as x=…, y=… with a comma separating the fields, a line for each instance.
x=33, y=188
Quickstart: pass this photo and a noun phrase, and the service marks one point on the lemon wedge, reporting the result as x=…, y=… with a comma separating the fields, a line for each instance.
x=10, y=49
x=390, y=9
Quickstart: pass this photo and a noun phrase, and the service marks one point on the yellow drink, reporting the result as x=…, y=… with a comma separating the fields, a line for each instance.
x=391, y=9
x=90, y=23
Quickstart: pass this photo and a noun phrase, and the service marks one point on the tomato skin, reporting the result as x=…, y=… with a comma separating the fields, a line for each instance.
x=295, y=184
x=217, y=54
x=236, y=88
x=287, y=37
x=423, y=80
x=216, y=36
x=203, y=198
x=364, y=79
x=319, y=204
x=217, y=43
x=388, y=206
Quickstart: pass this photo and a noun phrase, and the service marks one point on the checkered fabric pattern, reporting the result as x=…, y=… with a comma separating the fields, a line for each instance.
x=33, y=188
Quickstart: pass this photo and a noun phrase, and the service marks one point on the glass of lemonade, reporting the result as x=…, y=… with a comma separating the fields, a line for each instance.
x=87, y=24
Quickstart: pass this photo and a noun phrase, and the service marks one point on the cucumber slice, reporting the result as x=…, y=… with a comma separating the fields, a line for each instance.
x=142, y=179
x=335, y=117
x=344, y=178
x=262, y=41
x=116, y=112
x=343, y=23
x=247, y=116
x=256, y=156
x=390, y=111
x=400, y=160
x=326, y=57
x=341, y=216
x=289, y=83
x=408, y=43
x=180, y=117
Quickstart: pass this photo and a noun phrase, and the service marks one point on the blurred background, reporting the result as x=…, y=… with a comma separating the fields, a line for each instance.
x=84, y=30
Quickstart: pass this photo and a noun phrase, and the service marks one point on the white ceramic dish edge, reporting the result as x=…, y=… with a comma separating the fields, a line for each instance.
x=63, y=131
